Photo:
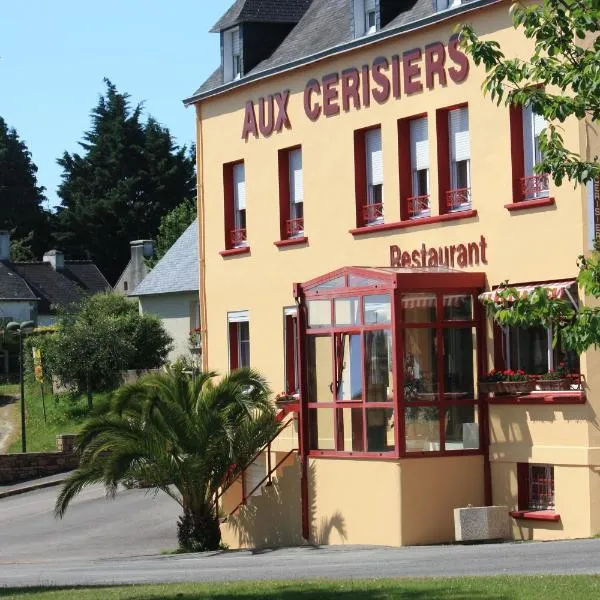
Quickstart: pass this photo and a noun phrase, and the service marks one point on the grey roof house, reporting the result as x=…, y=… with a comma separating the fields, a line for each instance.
x=170, y=291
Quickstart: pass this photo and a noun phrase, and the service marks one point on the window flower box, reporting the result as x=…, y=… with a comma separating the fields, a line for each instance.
x=555, y=380
x=517, y=387
x=490, y=387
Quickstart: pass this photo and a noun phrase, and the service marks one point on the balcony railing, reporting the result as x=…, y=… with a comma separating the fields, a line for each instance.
x=238, y=237
x=534, y=187
x=418, y=206
x=459, y=199
x=294, y=227
x=373, y=213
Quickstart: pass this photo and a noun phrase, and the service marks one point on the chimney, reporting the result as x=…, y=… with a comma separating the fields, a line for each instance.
x=140, y=250
x=4, y=245
x=56, y=259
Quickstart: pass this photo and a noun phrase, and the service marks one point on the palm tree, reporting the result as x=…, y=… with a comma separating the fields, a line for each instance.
x=186, y=437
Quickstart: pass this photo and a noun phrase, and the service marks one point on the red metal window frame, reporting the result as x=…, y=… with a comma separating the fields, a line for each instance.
x=234, y=348
x=535, y=487
x=232, y=235
x=360, y=174
x=288, y=227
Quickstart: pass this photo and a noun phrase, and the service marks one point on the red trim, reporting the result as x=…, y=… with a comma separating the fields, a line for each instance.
x=465, y=214
x=360, y=174
x=535, y=515
x=228, y=202
x=517, y=153
x=405, y=164
x=233, y=346
x=443, y=155
x=523, y=486
x=525, y=204
x=284, y=191
x=540, y=398
x=290, y=353
x=291, y=242
x=235, y=251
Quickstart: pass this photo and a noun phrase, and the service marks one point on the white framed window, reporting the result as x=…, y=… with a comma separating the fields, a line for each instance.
x=296, y=193
x=460, y=160
x=536, y=186
x=365, y=17
x=239, y=339
x=374, y=164
x=239, y=204
x=232, y=54
x=419, y=157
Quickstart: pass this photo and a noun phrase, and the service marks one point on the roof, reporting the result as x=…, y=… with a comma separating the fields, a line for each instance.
x=12, y=286
x=265, y=11
x=177, y=270
x=326, y=28
x=87, y=275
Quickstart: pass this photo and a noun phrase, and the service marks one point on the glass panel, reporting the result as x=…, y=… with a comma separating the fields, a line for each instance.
x=460, y=362
x=529, y=349
x=349, y=368
x=347, y=311
x=359, y=281
x=244, y=344
x=462, y=427
x=418, y=308
x=332, y=284
x=378, y=366
x=319, y=356
x=378, y=309
x=320, y=422
x=458, y=307
x=319, y=313
x=350, y=429
x=380, y=430
x=420, y=365
x=422, y=428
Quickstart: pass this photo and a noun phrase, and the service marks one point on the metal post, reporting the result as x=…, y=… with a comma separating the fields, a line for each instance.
x=23, y=432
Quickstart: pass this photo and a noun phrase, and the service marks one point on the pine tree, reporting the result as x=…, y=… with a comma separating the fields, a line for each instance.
x=129, y=175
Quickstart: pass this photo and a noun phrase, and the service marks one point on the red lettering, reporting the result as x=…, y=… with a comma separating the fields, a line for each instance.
x=394, y=256
x=249, y=122
x=483, y=246
x=432, y=260
x=452, y=252
x=405, y=262
x=412, y=71
x=266, y=122
x=330, y=95
x=366, y=86
x=396, y=76
x=312, y=110
x=435, y=58
x=423, y=255
x=350, y=83
x=283, y=120
x=462, y=258
x=416, y=258
x=459, y=59
x=473, y=254
x=382, y=93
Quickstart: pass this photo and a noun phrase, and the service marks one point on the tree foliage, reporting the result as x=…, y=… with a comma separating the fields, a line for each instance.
x=172, y=226
x=185, y=437
x=21, y=198
x=560, y=80
x=99, y=338
x=129, y=175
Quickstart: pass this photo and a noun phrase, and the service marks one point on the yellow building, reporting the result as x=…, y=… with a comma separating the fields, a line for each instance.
x=357, y=196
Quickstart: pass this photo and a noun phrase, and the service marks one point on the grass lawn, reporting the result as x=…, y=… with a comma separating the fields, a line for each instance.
x=64, y=414
x=468, y=588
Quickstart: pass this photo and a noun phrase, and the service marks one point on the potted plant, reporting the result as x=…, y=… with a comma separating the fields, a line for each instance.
x=516, y=382
x=284, y=398
x=491, y=383
x=555, y=380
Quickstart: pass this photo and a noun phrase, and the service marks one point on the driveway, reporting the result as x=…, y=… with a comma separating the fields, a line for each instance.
x=102, y=541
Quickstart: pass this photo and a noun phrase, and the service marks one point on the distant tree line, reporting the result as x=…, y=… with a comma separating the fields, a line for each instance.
x=128, y=176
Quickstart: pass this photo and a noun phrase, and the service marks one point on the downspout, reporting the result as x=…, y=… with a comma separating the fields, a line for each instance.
x=201, y=237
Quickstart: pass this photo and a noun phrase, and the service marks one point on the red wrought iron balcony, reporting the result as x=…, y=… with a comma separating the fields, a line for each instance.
x=373, y=213
x=536, y=186
x=294, y=227
x=459, y=199
x=418, y=206
x=238, y=238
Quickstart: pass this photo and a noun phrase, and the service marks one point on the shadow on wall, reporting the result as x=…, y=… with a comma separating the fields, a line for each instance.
x=274, y=518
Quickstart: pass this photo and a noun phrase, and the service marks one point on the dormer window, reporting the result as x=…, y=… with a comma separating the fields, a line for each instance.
x=232, y=54
x=445, y=4
x=365, y=17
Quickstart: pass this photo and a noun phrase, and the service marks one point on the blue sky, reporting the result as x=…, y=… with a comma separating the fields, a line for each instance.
x=54, y=55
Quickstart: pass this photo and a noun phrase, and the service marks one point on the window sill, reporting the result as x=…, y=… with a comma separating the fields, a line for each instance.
x=291, y=242
x=235, y=251
x=535, y=515
x=541, y=398
x=525, y=204
x=455, y=216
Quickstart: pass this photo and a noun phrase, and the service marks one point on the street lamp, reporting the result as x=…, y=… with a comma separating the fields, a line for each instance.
x=21, y=329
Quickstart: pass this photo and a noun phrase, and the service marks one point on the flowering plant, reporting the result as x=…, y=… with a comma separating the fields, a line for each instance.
x=284, y=397
x=195, y=337
x=493, y=376
x=518, y=375
x=561, y=373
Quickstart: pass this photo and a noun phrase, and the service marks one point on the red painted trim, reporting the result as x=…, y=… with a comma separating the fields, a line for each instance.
x=360, y=174
x=290, y=352
x=443, y=156
x=540, y=398
x=235, y=251
x=233, y=346
x=517, y=153
x=456, y=216
x=525, y=204
x=291, y=242
x=404, y=165
x=228, y=202
x=535, y=515
x=523, y=486
x=284, y=191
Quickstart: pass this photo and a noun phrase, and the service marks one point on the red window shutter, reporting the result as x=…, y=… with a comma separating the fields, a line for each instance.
x=360, y=175
x=228, y=203
x=517, y=155
x=443, y=157
x=233, y=347
x=405, y=166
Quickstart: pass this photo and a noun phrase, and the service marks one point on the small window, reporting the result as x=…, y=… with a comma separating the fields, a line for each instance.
x=239, y=340
x=535, y=486
x=418, y=204
x=365, y=17
x=374, y=162
x=459, y=195
x=232, y=55
x=238, y=232
x=533, y=185
x=291, y=193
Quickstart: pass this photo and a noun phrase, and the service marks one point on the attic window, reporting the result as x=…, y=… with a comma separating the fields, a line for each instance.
x=232, y=54
x=365, y=17
x=445, y=4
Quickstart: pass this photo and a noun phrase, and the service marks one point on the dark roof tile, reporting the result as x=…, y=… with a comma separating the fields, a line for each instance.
x=265, y=11
x=13, y=286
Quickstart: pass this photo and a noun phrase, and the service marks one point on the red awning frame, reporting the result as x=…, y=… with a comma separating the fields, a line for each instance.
x=557, y=289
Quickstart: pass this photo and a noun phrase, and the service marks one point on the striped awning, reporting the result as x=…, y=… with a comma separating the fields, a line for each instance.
x=429, y=300
x=557, y=289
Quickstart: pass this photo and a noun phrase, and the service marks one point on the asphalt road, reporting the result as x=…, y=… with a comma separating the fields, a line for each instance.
x=103, y=541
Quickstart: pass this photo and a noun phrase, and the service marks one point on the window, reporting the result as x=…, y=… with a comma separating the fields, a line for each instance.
x=459, y=195
x=234, y=180
x=290, y=340
x=291, y=193
x=239, y=340
x=444, y=4
x=232, y=55
x=365, y=17
x=526, y=128
x=536, y=487
x=418, y=203
x=369, y=176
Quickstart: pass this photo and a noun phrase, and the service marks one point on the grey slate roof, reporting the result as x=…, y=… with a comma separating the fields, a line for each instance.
x=87, y=275
x=177, y=270
x=266, y=11
x=12, y=286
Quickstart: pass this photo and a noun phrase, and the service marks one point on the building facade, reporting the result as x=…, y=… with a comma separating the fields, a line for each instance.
x=358, y=196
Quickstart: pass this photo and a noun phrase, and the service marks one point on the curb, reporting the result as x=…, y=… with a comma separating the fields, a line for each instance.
x=31, y=488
